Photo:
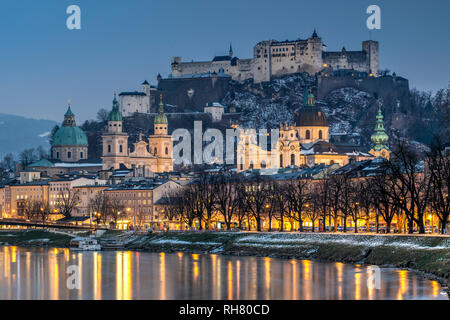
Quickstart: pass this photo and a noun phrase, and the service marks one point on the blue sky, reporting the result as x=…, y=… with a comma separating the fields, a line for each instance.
x=122, y=43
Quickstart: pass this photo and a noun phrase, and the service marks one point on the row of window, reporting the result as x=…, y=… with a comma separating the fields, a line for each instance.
x=307, y=135
x=69, y=154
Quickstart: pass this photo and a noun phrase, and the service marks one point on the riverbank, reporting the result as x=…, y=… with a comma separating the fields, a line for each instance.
x=428, y=254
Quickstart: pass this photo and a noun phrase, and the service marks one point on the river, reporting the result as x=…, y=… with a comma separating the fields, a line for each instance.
x=40, y=273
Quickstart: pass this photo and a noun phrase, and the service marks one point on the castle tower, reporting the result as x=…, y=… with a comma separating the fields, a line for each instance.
x=69, y=143
x=160, y=143
x=314, y=61
x=115, y=141
x=380, y=138
x=372, y=48
x=146, y=87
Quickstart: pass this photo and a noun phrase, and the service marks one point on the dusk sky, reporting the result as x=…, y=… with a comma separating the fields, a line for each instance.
x=122, y=43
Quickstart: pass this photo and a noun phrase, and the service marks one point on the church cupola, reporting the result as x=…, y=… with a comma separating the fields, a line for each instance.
x=161, y=123
x=311, y=121
x=310, y=99
x=380, y=137
x=69, y=118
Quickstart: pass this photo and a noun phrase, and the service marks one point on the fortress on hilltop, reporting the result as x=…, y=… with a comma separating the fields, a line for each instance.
x=273, y=58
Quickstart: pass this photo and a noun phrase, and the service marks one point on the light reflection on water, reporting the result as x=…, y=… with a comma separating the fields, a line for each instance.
x=38, y=273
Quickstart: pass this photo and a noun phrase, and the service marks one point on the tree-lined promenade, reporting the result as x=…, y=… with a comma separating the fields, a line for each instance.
x=403, y=195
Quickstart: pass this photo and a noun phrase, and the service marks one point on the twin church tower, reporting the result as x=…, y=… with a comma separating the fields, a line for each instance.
x=154, y=155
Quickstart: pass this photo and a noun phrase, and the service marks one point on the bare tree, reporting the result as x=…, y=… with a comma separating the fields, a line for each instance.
x=335, y=189
x=205, y=188
x=254, y=199
x=114, y=209
x=27, y=157
x=67, y=202
x=279, y=202
x=412, y=188
x=226, y=196
x=298, y=194
x=102, y=115
x=438, y=165
x=99, y=206
x=313, y=210
x=321, y=192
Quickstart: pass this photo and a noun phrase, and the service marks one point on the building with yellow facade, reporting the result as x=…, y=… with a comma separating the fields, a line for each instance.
x=154, y=155
x=305, y=143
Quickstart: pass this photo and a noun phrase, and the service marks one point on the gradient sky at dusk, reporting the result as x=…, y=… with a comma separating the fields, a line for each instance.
x=122, y=43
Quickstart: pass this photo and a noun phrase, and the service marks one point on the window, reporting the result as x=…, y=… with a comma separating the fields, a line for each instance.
x=281, y=160
x=167, y=150
x=57, y=155
x=81, y=155
x=320, y=134
x=263, y=164
x=120, y=148
x=308, y=134
x=109, y=148
x=292, y=159
x=69, y=154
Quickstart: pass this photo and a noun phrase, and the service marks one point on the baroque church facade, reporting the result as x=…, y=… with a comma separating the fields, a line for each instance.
x=154, y=155
x=305, y=143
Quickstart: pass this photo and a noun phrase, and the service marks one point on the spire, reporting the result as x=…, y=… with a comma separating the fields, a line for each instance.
x=161, y=117
x=314, y=35
x=231, y=51
x=380, y=138
x=115, y=114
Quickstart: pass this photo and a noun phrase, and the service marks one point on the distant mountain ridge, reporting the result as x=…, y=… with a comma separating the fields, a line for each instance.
x=18, y=133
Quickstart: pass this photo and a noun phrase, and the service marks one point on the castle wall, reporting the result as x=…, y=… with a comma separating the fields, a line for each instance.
x=193, y=93
x=130, y=104
x=388, y=88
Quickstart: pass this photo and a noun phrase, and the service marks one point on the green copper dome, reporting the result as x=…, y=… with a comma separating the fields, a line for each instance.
x=161, y=117
x=380, y=138
x=115, y=114
x=69, y=134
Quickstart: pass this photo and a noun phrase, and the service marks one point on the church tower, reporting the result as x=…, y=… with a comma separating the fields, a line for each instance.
x=160, y=143
x=115, y=141
x=380, y=138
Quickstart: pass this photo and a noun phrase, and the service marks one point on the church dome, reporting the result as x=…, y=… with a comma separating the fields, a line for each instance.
x=310, y=115
x=69, y=134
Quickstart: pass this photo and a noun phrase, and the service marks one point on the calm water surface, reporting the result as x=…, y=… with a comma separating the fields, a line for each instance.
x=38, y=273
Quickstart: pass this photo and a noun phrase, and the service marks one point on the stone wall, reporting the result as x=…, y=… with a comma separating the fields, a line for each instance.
x=192, y=94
